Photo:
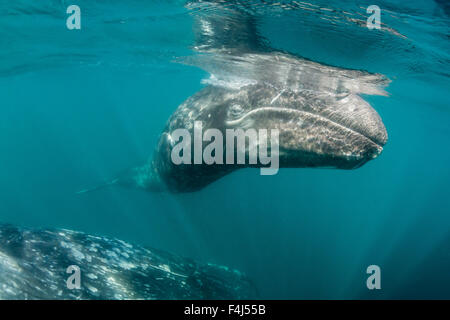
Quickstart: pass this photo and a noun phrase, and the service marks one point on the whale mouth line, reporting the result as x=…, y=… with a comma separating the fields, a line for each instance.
x=301, y=112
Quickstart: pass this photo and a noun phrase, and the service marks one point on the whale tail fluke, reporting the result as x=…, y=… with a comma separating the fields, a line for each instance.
x=102, y=186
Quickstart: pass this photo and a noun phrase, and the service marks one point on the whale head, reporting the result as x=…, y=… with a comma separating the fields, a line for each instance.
x=318, y=110
x=315, y=130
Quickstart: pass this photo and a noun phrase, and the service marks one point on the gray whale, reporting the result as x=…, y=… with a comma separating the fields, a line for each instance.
x=33, y=265
x=322, y=119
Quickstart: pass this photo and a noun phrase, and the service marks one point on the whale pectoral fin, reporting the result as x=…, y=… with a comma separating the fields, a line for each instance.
x=102, y=186
x=141, y=177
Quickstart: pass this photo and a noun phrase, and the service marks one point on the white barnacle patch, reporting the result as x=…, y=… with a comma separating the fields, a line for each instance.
x=14, y=284
x=121, y=290
x=170, y=140
x=93, y=248
x=126, y=265
x=8, y=262
x=92, y=289
x=206, y=27
x=105, y=269
x=112, y=255
x=64, y=244
x=163, y=267
x=91, y=276
x=112, y=281
x=7, y=289
x=77, y=254
x=125, y=244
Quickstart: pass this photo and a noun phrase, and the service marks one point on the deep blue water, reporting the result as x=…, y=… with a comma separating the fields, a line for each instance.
x=78, y=107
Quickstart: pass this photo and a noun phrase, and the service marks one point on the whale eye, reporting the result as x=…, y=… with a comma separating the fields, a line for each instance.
x=235, y=111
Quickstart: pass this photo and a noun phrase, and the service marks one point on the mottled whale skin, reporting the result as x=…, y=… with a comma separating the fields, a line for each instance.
x=318, y=110
x=322, y=119
x=33, y=265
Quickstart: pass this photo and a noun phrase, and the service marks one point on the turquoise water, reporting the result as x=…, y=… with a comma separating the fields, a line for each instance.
x=78, y=107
